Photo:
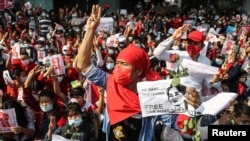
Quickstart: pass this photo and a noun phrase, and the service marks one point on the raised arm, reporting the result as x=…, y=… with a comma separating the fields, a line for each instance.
x=84, y=53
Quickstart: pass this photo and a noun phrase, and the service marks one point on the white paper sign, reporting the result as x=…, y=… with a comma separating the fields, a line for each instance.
x=7, y=78
x=217, y=103
x=123, y=12
x=158, y=98
x=58, y=64
x=106, y=24
x=199, y=70
x=227, y=47
x=7, y=120
x=15, y=51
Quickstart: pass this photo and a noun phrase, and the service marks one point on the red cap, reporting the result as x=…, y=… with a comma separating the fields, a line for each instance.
x=196, y=36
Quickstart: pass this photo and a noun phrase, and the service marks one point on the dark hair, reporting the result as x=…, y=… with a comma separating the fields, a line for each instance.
x=16, y=72
x=73, y=107
x=241, y=108
x=181, y=88
x=37, y=85
x=48, y=93
x=79, y=91
x=19, y=110
x=23, y=52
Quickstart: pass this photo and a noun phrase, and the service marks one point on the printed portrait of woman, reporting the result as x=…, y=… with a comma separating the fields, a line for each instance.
x=176, y=98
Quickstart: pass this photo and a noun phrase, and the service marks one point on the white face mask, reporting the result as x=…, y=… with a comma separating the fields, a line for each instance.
x=110, y=66
x=138, y=44
x=26, y=61
x=111, y=51
x=60, y=78
x=23, y=79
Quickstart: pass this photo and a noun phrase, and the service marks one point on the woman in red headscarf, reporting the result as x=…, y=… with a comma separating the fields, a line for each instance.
x=132, y=66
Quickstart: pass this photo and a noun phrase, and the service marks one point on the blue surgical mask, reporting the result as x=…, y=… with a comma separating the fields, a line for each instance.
x=76, y=122
x=216, y=85
x=110, y=66
x=218, y=61
x=46, y=108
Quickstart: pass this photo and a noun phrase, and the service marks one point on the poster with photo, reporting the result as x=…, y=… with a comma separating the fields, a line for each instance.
x=160, y=97
x=7, y=120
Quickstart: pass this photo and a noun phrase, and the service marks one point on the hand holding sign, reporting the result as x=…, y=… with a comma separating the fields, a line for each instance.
x=193, y=97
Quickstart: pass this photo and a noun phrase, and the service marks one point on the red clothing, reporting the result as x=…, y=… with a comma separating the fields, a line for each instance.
x=128, y=100
x=26, y=68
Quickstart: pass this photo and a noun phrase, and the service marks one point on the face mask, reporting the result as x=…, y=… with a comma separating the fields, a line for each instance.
x=110, y=66
x=193, y=50
x=46, y=108
x=242, y=80
x=42, y=49
x=30, y=33
x=138, y=44
x=23, y=79
x=60, y=78
x=111, y=51
x=216, y=85
x=122, y=75
x=26, y=62
x=218, y=61
x=76, y=122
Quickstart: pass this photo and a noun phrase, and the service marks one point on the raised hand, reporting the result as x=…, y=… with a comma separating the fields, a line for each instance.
x=179, y=31
x=94, y=19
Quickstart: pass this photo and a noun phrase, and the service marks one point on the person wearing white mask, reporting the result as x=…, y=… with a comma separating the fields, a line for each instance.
x=109, y=63
x=76, y=127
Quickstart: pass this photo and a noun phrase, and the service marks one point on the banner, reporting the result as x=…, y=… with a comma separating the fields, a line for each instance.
x=7, y=120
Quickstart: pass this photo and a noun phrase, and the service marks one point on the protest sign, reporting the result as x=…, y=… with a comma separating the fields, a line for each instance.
x=15, y=51
x=123, y=12
x=7, y=78
x=57, y=62
x=7, y=120
x=159, y=97
x=106, y=24
x=228, y=47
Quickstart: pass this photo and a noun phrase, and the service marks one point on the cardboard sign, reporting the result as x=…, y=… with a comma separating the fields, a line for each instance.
x=57, y=62
x=7, y=120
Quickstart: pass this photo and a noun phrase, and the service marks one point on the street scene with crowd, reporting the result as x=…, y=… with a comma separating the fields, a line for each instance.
x=77, y=75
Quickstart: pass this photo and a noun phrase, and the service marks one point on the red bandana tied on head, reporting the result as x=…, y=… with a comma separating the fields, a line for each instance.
x=123, y=103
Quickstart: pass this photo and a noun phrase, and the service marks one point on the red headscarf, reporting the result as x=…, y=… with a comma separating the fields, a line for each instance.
x=122, y=102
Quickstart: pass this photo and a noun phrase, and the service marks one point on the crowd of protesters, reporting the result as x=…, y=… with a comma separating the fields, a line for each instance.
x=73, y=104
